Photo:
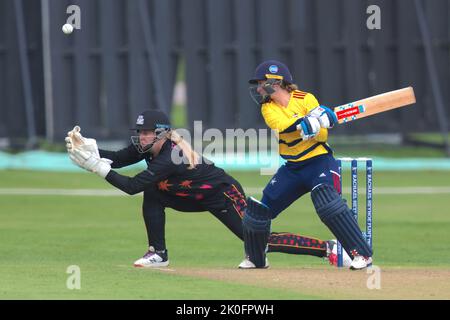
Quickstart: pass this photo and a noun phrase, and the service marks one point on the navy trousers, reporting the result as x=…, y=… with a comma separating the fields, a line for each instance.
x=293, y=180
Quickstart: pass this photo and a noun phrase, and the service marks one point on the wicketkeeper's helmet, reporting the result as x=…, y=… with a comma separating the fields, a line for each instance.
x=153, y=120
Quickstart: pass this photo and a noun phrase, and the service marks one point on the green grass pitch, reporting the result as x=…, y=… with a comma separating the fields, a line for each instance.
x=42, y=235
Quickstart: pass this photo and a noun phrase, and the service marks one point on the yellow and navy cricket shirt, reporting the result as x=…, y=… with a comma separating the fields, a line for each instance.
x=284, y=121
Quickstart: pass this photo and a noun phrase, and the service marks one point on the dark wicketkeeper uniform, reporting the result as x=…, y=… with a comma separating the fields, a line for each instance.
x=167, y=184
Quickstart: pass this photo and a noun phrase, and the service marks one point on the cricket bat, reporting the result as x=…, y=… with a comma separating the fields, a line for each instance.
x=376, y=104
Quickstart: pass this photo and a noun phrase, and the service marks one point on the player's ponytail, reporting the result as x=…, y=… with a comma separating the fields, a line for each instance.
x=192, y=156
x=289, y=87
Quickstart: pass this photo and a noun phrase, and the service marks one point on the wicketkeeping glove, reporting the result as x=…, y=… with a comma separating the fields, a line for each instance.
x=309, y=127
x=325, y=115
x=90, y=162
x=75, y=140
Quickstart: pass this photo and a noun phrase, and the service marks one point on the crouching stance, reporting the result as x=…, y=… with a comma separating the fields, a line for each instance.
x=177, y=177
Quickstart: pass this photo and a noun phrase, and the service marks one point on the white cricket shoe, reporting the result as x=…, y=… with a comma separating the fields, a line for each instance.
x=332, y=256
x=361, y=262
x=153, y=259
x=247, y=264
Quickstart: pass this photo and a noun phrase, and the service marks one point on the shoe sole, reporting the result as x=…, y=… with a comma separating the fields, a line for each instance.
x=245, y=268
x=367, y=266
x=154, y=265
x=356, y=269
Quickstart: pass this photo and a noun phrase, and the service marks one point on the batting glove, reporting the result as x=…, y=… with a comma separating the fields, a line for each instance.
x=75, y=140
x=91, y=162
x=325, y=115
x=309, y=127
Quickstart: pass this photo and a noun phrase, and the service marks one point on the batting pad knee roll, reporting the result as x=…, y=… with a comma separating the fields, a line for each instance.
x=336, y=215
x=256, y=227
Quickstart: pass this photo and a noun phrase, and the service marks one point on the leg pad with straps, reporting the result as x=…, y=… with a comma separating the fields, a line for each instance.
x=337, y=216
x=256, y=227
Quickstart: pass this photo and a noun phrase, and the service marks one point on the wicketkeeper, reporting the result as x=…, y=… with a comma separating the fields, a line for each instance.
x=302, y=127
x=177, y=177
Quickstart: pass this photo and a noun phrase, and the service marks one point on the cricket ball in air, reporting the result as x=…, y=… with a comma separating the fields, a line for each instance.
x=67, y=28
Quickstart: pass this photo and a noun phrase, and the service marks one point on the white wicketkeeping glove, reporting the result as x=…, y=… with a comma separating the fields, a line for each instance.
x=90, y=162
x=75, y=140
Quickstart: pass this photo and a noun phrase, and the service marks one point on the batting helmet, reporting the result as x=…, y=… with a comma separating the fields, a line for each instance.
x=271, y=69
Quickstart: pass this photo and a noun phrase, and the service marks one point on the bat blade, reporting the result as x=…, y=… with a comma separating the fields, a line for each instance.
x=376, y=104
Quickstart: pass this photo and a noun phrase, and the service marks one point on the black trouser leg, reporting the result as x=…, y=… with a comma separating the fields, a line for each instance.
x=155, y=221
x=231, y=219
x=153, y=208
x=228, y=207
x=296, y=244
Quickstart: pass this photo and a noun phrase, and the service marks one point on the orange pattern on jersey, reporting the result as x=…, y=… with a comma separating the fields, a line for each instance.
x=299, y=94
x=164, y=185
x=186, y=184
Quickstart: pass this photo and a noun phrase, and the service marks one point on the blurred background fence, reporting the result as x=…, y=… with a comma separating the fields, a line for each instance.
x=129, y=55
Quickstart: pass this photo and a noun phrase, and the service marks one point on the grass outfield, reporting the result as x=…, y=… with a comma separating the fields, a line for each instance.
x=41, y=235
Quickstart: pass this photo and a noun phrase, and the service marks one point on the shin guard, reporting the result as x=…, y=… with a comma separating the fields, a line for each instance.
x=337, y=216
x=256, y=225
